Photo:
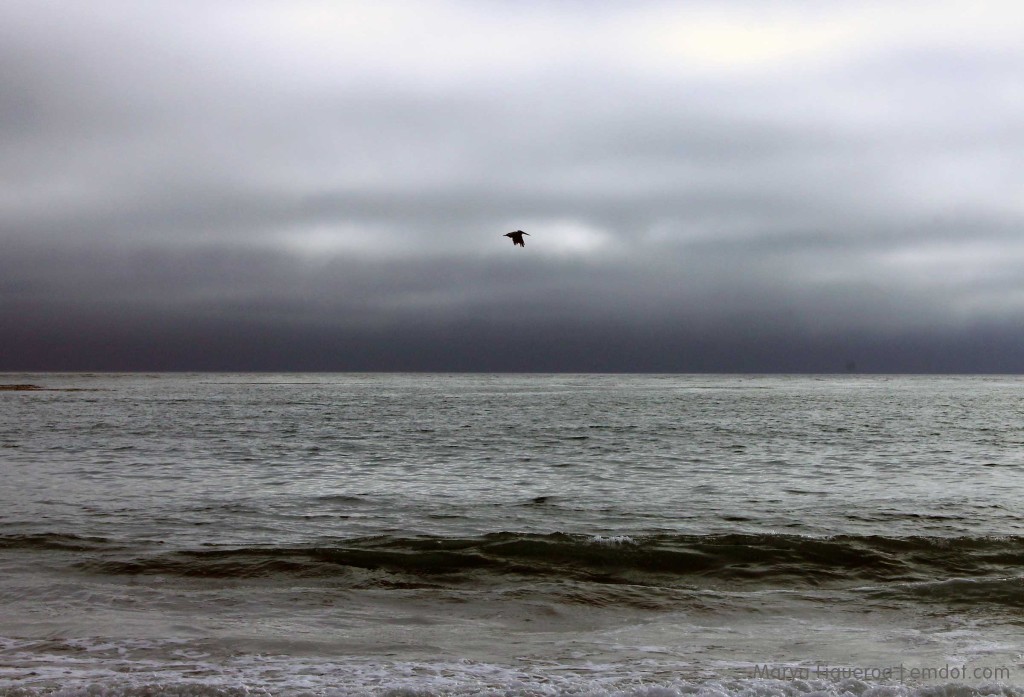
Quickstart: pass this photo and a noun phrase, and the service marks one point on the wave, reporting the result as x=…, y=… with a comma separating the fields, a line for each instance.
x=1007, y=591
x=742, y=561
x=55, y=541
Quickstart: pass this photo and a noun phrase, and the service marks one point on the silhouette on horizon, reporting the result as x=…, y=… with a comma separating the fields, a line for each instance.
x=517, y=237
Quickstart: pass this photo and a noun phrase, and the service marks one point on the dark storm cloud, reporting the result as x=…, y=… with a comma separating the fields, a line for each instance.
x=322, y=186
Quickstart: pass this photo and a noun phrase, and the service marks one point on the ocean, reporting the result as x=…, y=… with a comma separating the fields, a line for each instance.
x=418, y=534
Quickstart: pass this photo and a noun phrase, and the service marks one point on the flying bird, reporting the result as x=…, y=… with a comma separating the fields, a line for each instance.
x=517, y=237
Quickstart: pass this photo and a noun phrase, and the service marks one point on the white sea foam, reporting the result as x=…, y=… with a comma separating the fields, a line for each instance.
x=152, y=669
x=613, y=540
x=425, y=683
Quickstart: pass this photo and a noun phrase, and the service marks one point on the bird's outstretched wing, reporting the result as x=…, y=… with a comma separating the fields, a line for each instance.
x=517, y=237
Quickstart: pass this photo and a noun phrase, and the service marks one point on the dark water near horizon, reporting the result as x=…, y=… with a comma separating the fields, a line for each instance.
x=512, y=534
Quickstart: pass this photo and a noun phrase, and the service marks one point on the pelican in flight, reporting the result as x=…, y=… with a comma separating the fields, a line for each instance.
x=517, y=237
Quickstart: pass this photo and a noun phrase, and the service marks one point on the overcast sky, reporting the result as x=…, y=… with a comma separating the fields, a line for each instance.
x=709, y=185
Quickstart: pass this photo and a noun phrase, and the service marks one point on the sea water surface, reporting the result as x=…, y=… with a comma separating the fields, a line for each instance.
x=511, y=535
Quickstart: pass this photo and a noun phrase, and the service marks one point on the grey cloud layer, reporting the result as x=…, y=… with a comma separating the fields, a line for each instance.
x=197, y=170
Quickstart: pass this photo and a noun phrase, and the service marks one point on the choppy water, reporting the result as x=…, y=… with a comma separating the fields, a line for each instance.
x=548, y=534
